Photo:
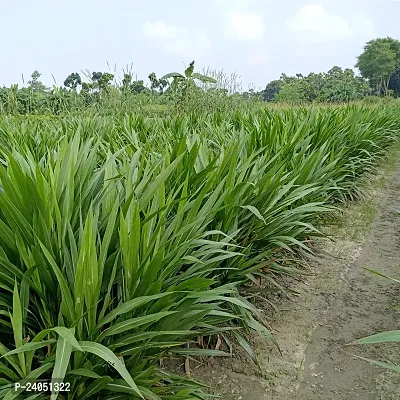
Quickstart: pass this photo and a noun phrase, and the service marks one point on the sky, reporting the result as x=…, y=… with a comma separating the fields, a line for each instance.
x=255, y=39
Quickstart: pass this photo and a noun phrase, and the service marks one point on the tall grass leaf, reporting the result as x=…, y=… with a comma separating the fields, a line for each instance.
x=66, y=294
x=17, y=325
x=129, y=306
x=255, y=212
x=108, y=356
x=29, y=347
x=9, y=373
x=61, y=363
x=392, y=367
x=84, y=372
x=133, y=323
x=67, y=335
x=382, y=275
x=384, y=337
x=96, y=386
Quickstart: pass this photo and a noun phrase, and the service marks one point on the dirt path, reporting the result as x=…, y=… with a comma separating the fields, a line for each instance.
x=341, y=302
x=357, y=309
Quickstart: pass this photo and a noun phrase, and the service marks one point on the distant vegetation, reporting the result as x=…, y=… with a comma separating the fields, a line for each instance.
x=379, y=65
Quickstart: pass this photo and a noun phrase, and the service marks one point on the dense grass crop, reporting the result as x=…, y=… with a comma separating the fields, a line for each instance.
x=123, y=239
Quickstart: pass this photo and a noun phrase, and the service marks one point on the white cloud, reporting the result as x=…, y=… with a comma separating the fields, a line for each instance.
x=232, y=3
x=363, y=25
x=159, y=29
x=180, y=41
x=244, y=25
x=313, y=23
x=257, y=57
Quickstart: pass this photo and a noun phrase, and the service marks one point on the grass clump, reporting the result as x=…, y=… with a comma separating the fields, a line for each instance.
x=124, y=238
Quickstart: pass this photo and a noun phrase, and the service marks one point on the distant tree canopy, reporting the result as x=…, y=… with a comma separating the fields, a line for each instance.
x=379, y=63
x=271, y=90
x=73, y=81
x=157, y=84
x=394, y=82
x=336, y=85
x=379, y=66
x=34, y=84
x=130, y=86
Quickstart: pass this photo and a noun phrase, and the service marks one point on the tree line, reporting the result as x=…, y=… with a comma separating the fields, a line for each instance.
x=101, y=90
x=379, y=66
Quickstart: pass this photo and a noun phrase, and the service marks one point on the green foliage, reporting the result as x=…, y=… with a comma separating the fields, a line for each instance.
x=378, y=62
x=271, y=90
x=157, y=84
x=394, y=82
x=102, y=80
x=335, y=86
x=183, y=88
x=191, y=91
x=125, y=238
x=292, y=91
x=379, y=65
x=343, y=86
x=127, y=232
x=128, y=86
x=99, y=88
x=35, y=85
x=102, y=270
x=73, y=81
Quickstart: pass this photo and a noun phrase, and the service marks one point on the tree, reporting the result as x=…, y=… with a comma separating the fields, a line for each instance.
x=102, y=80
x=393, y=43
x=34, y=84
x=157, y=85
x=271, y=90
x=291, y=92
x=100, y=83
x=132, y=86
x=378, y=62
x=126, y=82
x=73, y=81
x=299, y=88
x=138, y=87
x=334, y=86
x=96, y=76
x=394, y=83
x=340, y=86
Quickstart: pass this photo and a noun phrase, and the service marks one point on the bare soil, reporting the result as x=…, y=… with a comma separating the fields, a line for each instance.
x=339, y=303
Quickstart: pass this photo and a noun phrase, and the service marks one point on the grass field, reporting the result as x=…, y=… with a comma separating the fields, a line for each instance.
x=123, y=239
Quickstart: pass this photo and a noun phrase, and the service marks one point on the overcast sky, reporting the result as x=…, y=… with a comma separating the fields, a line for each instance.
x=257, y=39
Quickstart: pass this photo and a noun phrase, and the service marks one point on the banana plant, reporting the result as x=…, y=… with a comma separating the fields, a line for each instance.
x=189, y=76
x=183, y=85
